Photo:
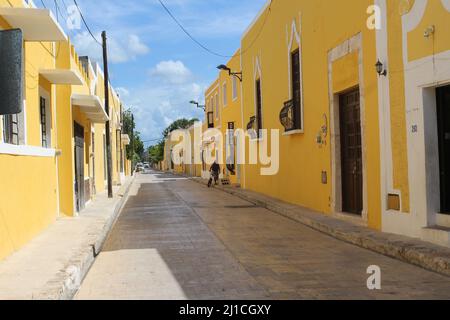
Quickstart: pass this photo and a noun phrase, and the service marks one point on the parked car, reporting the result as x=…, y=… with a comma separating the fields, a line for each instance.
x=139, y=167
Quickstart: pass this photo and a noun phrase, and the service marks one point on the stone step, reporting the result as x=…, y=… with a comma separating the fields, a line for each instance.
x=439, y=235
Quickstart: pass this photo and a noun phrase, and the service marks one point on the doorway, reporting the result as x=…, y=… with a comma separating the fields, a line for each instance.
x=351, y=152
x=79, y=167
x=443, y=119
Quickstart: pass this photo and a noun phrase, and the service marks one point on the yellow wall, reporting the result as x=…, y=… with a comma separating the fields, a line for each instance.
x=398, y=110
x=29, y=199
x=435, y=15
x=324, y=25
x=231, y=112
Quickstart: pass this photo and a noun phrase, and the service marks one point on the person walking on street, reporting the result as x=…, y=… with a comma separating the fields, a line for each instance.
x=215, y=171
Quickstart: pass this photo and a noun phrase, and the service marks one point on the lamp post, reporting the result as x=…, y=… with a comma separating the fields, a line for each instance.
x=231, y=73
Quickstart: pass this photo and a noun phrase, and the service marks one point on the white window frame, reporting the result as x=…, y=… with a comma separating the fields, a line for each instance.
x=48, y=117
x=295, y=35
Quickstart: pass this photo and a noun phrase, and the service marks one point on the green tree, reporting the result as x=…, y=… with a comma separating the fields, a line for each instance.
x=179, y=124
x=156, y=153
x=135, y=150
x=128, y=128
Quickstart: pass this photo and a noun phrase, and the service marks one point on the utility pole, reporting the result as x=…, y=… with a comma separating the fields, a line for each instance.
x=108, y=130
x=132, y=143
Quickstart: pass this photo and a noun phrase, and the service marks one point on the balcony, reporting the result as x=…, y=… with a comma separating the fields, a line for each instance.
x=36, y=24
x=126, y=139
x=91, y=106
x=62, y=76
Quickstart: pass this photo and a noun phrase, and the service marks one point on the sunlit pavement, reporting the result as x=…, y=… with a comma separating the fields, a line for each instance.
x=177, y=239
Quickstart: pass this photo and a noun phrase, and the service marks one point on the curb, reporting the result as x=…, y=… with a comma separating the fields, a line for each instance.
x=416, y=252
x=74, y=275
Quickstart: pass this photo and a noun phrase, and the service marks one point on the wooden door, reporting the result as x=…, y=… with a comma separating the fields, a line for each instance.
x=79, y=166
x=351, y=153
x=443, y=117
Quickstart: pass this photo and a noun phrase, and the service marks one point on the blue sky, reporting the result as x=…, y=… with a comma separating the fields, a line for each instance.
x=153, y=65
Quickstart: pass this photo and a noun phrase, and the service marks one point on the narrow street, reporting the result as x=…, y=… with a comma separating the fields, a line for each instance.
x=176, y=239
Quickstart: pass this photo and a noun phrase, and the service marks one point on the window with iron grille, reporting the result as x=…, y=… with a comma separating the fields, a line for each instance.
x=43, y=114
x=296, y=89
x=11, y=129
x=258, y=107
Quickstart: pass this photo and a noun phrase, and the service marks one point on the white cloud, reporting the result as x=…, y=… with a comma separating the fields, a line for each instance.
x=119, y=51
x=136, y=47
x=156, y=105
x=174, y=72
x=123, y=92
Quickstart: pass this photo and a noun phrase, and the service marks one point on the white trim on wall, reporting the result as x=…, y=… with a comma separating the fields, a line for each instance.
x=446, y=4
x=384, y=101
x=421, y=79
x=349, y=46
x=295, y=35
x=21, y=150
x=257, y=75
x=48, y=115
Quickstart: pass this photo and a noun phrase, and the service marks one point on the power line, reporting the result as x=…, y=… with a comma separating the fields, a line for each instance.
x=57, y=11
x=152, y=140
x=65, y=6
x=42, y=1
x=86, y=25
x=204, y=47
x=61, y=12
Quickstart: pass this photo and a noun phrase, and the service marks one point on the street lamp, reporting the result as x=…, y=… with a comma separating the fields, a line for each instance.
x=198, y=105
x=231, y=73
x=381, y=70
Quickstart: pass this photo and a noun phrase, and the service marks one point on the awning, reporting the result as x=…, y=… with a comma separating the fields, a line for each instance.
x=91, y=106
x=36, y=24
x=126, y=139
x=62, y=76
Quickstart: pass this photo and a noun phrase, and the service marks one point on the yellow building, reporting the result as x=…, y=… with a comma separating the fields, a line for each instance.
x=348, y=146
x=52, y=153
x=227, y=108
x=314, y=62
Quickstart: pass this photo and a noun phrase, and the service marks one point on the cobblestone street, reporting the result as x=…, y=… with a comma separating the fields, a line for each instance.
x=176, y=239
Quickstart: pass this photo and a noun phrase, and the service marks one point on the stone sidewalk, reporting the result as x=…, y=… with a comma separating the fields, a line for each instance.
x=52, y=265
x=420, y=253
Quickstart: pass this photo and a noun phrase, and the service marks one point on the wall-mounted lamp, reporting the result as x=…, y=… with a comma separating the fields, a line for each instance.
x=429, y=31
x=322, y=135
x=381, y=70
x=231, y=73
x=198, y=105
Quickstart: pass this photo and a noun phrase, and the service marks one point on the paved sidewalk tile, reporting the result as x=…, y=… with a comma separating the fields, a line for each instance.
x=207, y=244
x=51, y=265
